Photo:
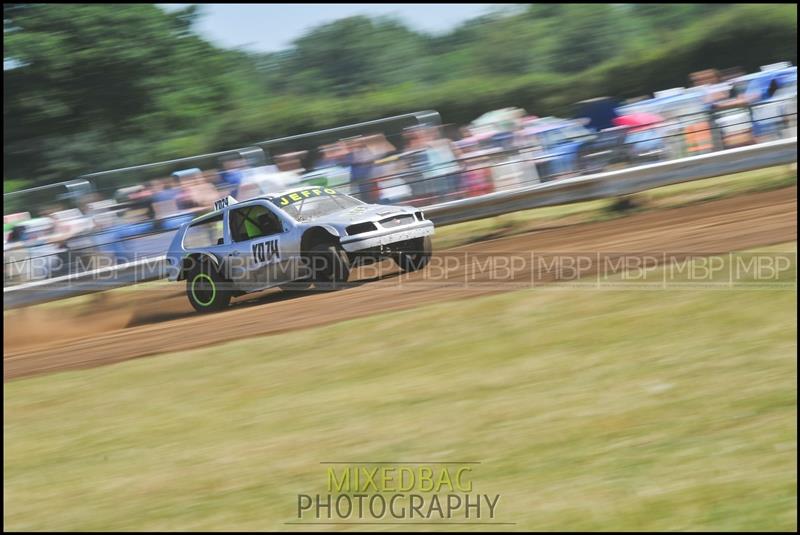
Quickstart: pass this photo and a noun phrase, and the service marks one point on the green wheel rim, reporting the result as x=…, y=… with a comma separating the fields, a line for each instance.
x=194, y=289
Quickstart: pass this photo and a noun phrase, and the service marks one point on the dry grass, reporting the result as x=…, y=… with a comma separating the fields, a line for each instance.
x=589, y=410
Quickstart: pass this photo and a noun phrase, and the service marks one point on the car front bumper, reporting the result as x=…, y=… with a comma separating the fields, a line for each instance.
x=377, y=238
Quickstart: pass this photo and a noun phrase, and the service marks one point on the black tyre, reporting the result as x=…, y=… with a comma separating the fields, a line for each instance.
x=330, y=266
x=416, y=256
x=206, y=289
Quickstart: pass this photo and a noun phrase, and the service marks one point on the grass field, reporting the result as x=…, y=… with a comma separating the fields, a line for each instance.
x=589, y=409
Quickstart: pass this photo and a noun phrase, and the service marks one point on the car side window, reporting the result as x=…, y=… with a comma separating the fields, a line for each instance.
x=202, y=234
x=252, y=222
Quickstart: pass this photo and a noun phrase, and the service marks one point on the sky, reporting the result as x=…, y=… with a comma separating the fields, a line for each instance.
x=272, y=27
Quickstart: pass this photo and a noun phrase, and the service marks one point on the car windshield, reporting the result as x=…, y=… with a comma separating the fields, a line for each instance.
x=313, y=203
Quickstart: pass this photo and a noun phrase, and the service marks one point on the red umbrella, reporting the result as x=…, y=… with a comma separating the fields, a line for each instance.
x=638, y=120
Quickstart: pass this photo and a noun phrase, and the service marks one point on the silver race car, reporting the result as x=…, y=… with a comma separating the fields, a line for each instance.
x=305, y=236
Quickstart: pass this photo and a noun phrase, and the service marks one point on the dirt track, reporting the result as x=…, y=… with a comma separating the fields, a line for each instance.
x=143, y=323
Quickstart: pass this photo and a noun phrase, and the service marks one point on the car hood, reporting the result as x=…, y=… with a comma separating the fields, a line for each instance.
x=363, y=212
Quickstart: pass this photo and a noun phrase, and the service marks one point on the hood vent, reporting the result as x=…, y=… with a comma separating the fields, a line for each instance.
x=396, y=221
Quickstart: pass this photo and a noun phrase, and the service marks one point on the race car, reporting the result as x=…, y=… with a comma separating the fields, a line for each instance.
x=299, y=238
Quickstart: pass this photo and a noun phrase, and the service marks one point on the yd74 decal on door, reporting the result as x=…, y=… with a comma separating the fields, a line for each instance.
x=265, y=251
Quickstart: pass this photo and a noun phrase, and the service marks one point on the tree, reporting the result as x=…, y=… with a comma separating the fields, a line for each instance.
x=589, y=34
x=110, y=72
x=353, y=54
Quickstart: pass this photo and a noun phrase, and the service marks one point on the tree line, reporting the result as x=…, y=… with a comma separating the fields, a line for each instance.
x=97, y=86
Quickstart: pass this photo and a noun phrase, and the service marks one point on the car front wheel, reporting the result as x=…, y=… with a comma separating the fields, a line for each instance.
x=330, y=266
x=416, y=256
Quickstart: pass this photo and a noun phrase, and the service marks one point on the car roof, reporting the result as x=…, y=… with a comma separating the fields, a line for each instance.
x=295, y=190
x=267, y=197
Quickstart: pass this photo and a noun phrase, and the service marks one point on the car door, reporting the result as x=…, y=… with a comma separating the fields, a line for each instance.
x=258, y=255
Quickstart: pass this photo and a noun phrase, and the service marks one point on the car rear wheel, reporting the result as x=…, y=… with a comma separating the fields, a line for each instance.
x=206, y=289
x=416, y=256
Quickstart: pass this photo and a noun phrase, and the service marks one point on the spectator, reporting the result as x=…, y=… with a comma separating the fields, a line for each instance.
x=380, y=146
x=443, y=167
x=360, y=160
x=196, y=192
x=233, y=172
x=330, y=169
x=165, y=198
x=332, y=155
x=291, y=162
